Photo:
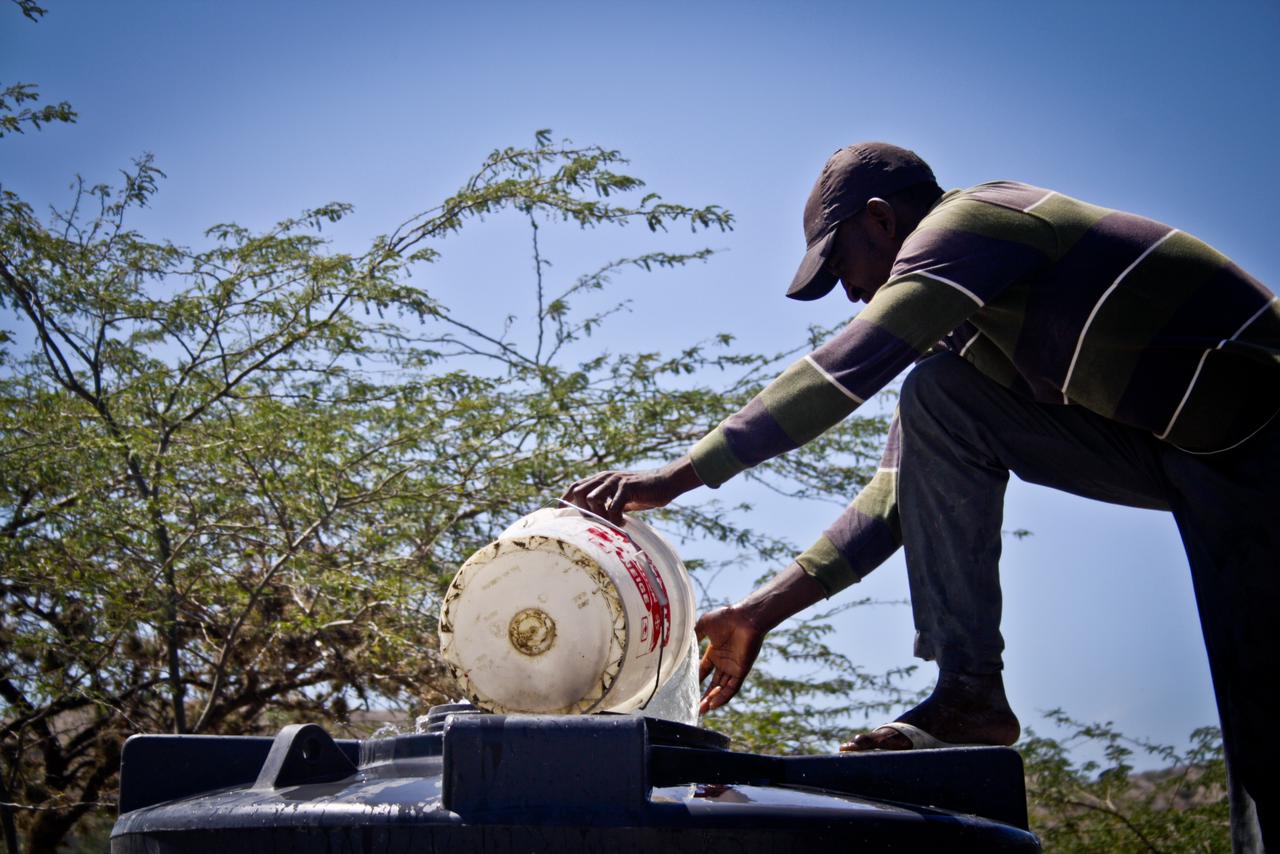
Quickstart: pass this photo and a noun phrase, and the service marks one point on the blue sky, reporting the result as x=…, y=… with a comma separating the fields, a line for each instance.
x=258, y=110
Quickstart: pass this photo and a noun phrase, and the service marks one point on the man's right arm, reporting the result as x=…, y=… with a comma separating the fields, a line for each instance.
x=864, y=536
x=866, y=533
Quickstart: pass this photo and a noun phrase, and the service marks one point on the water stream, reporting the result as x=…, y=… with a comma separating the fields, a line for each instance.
x=677, y=700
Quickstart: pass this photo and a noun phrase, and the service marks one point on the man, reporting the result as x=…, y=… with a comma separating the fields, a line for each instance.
x=1082, y=348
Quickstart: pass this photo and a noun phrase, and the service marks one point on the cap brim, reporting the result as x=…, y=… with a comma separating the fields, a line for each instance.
x=812, y=280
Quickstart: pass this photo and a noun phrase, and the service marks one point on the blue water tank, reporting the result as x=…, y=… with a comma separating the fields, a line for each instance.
x=602, y=783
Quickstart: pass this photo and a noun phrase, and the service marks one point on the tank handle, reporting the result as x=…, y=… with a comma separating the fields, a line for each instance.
x=303, y=753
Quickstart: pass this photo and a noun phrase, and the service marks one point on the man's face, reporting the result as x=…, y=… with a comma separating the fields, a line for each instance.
x=861, y=261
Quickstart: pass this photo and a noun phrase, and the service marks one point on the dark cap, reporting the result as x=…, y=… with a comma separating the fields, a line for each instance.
x=852, y=176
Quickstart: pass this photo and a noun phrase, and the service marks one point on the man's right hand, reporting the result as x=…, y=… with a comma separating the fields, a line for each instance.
x=611, y=493
x=735, y=642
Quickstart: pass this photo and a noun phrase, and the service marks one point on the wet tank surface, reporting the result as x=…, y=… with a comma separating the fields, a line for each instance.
x=506, y=783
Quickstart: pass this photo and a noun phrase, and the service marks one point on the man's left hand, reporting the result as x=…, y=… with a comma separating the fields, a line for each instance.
x=734, y=644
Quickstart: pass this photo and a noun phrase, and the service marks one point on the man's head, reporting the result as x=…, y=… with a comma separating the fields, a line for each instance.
x=865, y=202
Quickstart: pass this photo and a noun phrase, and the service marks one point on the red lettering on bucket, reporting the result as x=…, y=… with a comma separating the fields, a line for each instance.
x=611, y=542
x=664, y=601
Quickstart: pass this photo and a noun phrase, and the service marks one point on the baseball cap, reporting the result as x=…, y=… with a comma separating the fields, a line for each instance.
x=851, y=176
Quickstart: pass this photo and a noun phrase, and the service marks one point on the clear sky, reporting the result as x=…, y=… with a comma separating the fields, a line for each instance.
x=1168, y=109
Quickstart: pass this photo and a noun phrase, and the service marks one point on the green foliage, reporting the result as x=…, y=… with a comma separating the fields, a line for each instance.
x=30, y=9
x=237, y=478
x=1104, y=806
x=12, y=118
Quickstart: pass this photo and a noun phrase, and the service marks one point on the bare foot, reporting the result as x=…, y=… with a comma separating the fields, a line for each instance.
x=963, y=709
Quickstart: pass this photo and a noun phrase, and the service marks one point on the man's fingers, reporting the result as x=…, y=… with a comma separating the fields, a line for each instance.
x=611, y=493
x=705, y=706
x=580, y=489
x=600, y=497
x=724, y=686
x=597, y=495
x=586, y=482
x=723, y=695
x=616, y=503
x=718, y=695
x=705, y=667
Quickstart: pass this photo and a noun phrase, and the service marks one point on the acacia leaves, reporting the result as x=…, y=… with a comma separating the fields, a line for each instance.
x=238, y=477
x=14, y=116
x=1103, y=805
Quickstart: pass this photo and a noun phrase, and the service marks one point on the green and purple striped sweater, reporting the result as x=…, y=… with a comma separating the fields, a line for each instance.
x=1066, y=302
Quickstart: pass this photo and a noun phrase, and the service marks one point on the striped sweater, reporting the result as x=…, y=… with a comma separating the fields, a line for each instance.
x=1063, y=301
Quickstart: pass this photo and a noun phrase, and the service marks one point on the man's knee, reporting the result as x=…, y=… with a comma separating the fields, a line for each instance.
x=947, y=403
x=936, y=386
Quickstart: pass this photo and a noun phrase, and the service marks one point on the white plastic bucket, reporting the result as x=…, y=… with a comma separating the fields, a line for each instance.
x=567, y=614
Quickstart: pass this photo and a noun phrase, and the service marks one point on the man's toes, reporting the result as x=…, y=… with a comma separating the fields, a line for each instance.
x=884, y=738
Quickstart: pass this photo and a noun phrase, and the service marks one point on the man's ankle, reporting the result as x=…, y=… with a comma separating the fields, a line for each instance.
x=972, y=689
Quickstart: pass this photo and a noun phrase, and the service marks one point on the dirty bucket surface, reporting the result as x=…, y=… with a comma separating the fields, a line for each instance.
x=547, y=632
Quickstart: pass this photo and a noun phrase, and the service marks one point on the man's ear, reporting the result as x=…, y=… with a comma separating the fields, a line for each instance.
x=882, y=216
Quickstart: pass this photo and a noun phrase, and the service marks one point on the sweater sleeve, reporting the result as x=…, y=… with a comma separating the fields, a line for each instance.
x=965, y=253
x=906, y=317
x=866, y=533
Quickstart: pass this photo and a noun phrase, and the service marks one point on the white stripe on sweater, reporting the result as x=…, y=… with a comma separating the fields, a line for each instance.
x=1066, y=382
x=826, y=376
x=1203, y=357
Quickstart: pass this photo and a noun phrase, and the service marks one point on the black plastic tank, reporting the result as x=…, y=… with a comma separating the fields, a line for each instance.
x=472, y=782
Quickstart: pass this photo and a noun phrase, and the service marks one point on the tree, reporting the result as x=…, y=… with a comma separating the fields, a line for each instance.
x=237, y=478
x=1104, y=806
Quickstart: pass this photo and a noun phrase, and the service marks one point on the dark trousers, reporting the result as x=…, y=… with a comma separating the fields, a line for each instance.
x=961, y=436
